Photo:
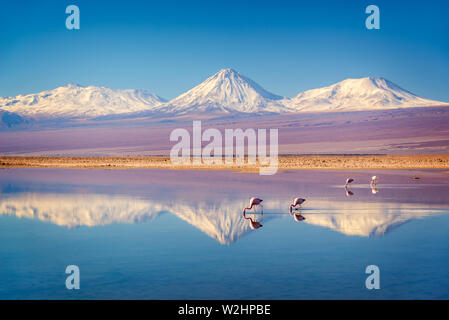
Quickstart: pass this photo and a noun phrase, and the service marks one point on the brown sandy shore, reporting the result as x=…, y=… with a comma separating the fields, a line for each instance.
x=285, y=162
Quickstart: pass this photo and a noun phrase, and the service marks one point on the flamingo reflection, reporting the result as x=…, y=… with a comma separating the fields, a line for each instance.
x=253, y=223
x=297, y=216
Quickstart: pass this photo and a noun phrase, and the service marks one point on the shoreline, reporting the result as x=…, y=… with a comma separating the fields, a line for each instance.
x=337, y=162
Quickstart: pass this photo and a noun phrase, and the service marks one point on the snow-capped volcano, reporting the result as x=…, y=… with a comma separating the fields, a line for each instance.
x=358, y=94
x=73, y=101
x=226, y=91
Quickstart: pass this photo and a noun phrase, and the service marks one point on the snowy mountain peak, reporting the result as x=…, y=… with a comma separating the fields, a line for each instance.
x=228, y=79
x=226, y=71
x=368, y=93
x=72, y=86
x=225, y=91
x=369, y=83
x=73, y=101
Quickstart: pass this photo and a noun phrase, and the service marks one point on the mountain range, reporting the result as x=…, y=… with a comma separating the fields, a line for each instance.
x=226, y=92
x=74, y=101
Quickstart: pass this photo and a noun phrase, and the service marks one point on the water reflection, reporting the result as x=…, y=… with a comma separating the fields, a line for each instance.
x=167, y=234
x=222, y=219
x=348, y=192
x=297, y=215
x=367, y=219
x=253, y=219
x=74, y=210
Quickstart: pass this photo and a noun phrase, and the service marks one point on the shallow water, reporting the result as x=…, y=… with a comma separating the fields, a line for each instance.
x=167, y=234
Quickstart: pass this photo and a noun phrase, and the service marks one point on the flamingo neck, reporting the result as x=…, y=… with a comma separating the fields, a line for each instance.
x=247, y=218
x=249, y=208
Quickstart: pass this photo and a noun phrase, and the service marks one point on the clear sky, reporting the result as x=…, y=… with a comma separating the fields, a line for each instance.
x=168, y=47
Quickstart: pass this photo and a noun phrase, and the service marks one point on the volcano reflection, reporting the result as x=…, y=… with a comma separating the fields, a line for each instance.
x=222, y=220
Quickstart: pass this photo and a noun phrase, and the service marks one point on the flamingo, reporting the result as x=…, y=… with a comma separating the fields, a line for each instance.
x=374, y=180
x=253, y=202
x=348, y=181
x=297, y=202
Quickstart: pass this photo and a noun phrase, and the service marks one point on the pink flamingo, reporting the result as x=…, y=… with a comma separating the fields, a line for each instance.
x=373, y=184
x=253, y=202
x=297, y=202
x=252, y=223
x=348, y=181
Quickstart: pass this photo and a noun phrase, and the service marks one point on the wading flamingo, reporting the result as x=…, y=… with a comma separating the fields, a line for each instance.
x=252, y=222
x=297, y=202
x=348, y=192
x=348, y=181
x=252, y=203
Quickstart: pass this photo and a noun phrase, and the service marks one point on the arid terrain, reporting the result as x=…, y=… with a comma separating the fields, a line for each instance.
x=399, y=131
x=285, y=162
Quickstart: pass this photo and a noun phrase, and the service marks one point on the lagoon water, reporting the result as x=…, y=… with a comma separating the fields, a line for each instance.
x=168, y=234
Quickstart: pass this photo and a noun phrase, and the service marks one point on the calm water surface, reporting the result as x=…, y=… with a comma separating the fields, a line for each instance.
x=161, y=234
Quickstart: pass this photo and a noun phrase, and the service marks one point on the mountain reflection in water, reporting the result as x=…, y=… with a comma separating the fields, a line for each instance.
x=220, y=219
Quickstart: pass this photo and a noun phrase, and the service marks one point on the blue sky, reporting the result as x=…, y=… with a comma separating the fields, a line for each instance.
x=168, y=47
